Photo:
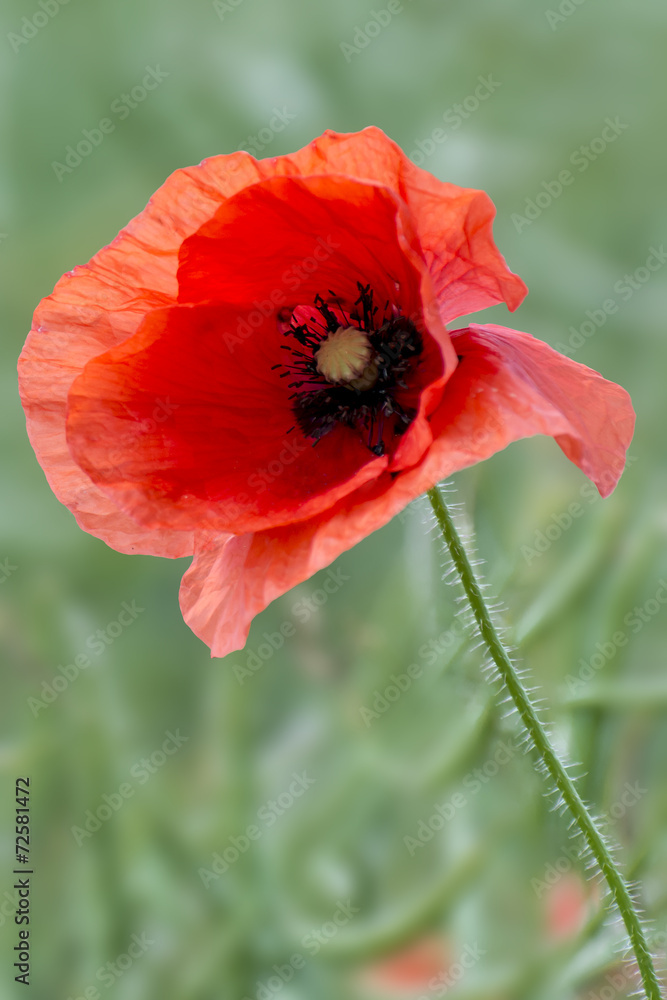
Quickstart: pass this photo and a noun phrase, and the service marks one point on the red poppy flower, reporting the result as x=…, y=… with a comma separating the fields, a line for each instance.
x=257, y=370
x=423, y=966
x=567, y=905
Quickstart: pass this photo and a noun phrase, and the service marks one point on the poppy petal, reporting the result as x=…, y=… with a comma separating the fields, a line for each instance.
x=96, y=366
x=95, y=307
x=361, y=231
x=231, y=414
x=508, y=385
x=453, y=224
x=69, y=328
x=100, y=304
x=540, y=391
x=219, y=451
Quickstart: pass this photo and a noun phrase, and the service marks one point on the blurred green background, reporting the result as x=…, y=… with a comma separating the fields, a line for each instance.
x=330, y=899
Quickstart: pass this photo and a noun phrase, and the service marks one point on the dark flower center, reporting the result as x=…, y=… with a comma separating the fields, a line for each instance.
x=351, y=368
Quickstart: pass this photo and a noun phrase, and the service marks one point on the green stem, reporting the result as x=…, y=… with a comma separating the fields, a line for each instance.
x=543, y=746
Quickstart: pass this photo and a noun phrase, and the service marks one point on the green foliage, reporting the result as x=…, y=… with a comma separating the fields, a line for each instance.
x=339, y=846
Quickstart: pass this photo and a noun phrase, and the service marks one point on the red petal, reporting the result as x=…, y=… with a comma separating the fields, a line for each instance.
x=55, y=353
x=230, y=416
x=181, y=432
x=508, y=386
x=453, y=224
x=93, y=308
x=282, y=242
x=412, y=969
x=328, y=234
x=515, y=386
x=100, y=304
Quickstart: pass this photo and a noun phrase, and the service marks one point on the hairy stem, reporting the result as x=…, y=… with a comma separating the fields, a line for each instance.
x=543, y=746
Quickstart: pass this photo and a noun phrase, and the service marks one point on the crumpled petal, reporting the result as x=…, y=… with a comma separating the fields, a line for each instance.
x=508, y=386
x=170, y=259
x=226, y=416
x=182, y=433
x=99, y=304
x=93, y=308
x=453, y=224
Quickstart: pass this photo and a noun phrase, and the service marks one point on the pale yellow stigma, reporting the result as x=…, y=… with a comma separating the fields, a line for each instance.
x=345, y=358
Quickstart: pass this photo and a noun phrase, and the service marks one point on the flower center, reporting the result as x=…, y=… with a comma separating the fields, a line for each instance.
x=354, y=367
x=345, y=358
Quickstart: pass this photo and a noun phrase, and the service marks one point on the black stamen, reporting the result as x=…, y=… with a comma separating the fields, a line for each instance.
x=375, y=413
